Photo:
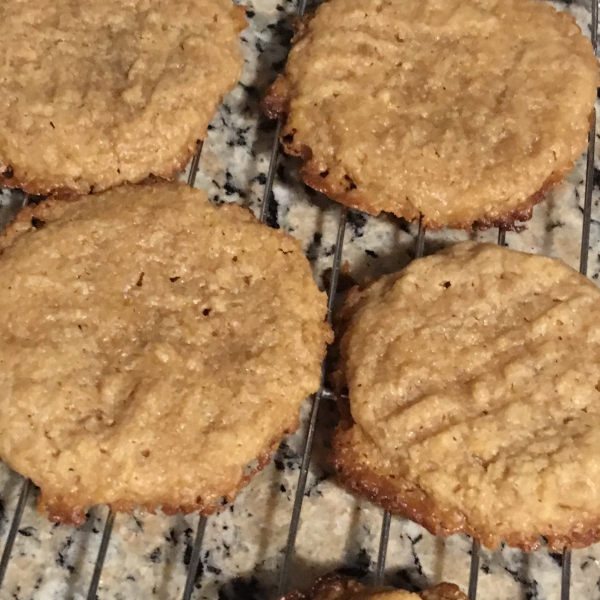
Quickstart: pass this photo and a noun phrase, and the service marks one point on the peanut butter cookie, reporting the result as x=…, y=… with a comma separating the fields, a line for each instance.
x=473, y=379
x=462, y=111
x=152, y=346
x=334, y=587
x=97, y=93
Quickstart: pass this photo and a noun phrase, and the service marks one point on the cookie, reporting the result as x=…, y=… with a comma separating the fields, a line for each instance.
x=334, y=587
x=154, y=349
x=473, y=379
x=463, y=112
x=95, y=94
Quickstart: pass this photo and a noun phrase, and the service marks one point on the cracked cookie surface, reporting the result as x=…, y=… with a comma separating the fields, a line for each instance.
x=94, y=94
x=464, y=112
x=473, y=381
x=152, y=347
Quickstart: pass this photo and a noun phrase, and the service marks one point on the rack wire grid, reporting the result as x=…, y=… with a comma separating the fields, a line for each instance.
x=323, y=394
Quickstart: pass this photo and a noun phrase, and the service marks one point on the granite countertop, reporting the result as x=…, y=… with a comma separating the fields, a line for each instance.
x=243, y=545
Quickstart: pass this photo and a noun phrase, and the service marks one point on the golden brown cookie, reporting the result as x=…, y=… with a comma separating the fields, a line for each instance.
x=151, y=347
x=473, y=379
x=334, y=587
x=462, y=111
x=95, y=94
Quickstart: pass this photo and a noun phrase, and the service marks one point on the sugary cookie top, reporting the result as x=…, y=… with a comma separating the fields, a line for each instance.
x=474, y=385
x=460, y=110
x=151, y=347
x=96, y=93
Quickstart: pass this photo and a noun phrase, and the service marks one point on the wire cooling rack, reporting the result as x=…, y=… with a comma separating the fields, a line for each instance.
x=323, y=394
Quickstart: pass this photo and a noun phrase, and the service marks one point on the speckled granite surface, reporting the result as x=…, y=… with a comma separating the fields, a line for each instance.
x=147, y=556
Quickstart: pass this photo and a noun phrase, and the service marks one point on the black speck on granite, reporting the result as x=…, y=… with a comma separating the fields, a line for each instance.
x=172, y=537
x=557, y=558
x=553, y=225
x=520, y=577
x=27, y=531
x=212, y=569
x=416, y=559
x=287, y=457
x=156, y=555
x=357, y=222
x=231, y=189
x=62, y=555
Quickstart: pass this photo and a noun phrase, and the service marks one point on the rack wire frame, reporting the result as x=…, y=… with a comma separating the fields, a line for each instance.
x=326, y=394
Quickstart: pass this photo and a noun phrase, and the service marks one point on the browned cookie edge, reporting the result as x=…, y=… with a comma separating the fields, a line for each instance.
x=412, y=502
x=73, y=512
x=12, y=176
x=332, y=583
x=276, y=105
x=333, y=586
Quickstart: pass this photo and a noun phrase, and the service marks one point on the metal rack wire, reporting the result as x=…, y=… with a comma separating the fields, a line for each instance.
x=324, y=394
